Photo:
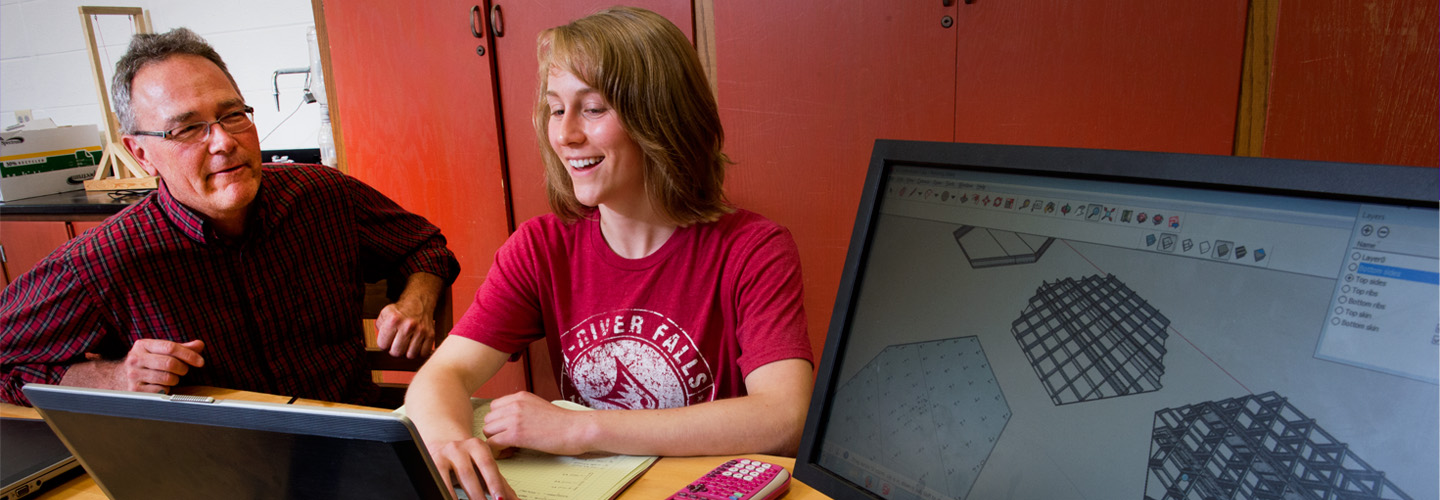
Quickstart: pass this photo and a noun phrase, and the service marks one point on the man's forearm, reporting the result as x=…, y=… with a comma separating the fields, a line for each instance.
x=99, y=374
x=422, y=289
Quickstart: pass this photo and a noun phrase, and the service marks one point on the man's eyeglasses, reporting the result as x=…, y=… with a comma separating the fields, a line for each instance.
x=234, y=122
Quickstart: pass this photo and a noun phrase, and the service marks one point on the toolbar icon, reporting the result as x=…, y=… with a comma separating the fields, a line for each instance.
x=1223, y=248
x=1174, y=222
x=1186, y=245
x=1094, y=214
x=1125, y=216
x=1167, y=242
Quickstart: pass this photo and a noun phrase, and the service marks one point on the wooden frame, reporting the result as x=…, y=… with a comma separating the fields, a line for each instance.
x=1255, y=78
x=322, y=38
x=122, y=170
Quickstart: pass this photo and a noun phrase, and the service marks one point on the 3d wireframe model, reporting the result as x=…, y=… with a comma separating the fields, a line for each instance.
x=1256, y=447
x=984, y=247
x=1092, y=339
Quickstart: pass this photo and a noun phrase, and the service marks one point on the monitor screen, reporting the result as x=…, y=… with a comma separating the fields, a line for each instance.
x=1040, y=323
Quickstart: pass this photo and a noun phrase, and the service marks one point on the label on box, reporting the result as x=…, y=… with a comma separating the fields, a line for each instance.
x=47, y=161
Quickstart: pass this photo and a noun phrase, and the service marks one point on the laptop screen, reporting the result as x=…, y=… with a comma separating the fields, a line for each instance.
x=152, y=446
x=1045, y=323
x=31, y=457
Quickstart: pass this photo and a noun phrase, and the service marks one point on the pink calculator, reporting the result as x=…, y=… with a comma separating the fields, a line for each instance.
x=742, y=479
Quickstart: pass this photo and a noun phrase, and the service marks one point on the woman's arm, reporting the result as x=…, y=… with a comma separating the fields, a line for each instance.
x=438, y=401
x=769, y=419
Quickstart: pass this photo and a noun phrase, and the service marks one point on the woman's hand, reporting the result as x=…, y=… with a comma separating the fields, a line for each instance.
x=471, y=463
x=524, y=420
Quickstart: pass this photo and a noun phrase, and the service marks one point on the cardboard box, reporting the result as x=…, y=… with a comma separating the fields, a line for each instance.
x=37, y=162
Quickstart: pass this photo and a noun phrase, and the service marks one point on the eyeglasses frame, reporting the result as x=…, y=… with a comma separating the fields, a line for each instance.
x=169, y=134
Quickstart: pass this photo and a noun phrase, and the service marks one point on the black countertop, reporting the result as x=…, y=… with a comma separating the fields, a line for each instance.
x=72, y=203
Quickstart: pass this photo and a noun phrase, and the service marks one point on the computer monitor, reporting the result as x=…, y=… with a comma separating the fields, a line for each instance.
x=1042, y=323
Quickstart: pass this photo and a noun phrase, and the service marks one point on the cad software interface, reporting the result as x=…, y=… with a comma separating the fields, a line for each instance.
x=1035, y=337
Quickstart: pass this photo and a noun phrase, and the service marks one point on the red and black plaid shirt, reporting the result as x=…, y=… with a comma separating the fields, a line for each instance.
x=279, y=308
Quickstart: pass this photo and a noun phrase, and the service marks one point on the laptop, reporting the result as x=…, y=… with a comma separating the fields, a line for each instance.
x=31, y=458
x=141, y=445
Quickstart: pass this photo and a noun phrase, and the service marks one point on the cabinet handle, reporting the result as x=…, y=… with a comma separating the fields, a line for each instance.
x=497, y=21
x=475, y=22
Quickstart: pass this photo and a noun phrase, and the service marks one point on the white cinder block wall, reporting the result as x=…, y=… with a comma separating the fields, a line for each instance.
x=44, y=66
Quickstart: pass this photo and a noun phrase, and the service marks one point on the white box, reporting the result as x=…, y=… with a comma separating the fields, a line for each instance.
x=47, y=161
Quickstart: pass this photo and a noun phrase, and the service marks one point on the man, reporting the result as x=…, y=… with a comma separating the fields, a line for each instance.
x=231, y=274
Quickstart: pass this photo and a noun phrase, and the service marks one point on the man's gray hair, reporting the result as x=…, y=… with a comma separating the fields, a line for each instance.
x=155, y=47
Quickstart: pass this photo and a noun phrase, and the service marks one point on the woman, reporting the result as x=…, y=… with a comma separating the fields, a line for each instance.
x=681, y=313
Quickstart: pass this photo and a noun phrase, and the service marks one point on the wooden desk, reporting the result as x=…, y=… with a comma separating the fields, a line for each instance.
x=665, y=477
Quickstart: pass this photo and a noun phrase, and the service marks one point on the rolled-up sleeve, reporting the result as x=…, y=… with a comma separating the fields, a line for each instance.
x=395, y=240
x=48, y=320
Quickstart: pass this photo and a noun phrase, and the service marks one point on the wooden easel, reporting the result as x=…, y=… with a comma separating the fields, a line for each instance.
x=117, y=169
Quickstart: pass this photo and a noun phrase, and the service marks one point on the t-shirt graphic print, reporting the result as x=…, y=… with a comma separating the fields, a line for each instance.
x=632, y=359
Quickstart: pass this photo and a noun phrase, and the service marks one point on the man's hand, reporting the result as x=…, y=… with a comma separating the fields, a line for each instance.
x=524, y=420
x=152, y=365
x=405, y=329
x=461, y=460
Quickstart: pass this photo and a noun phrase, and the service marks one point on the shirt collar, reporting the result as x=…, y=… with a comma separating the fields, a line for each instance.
x=186, y=220
x=202, y=231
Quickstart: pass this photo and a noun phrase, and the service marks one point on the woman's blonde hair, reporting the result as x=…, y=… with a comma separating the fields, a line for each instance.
x=651, y=77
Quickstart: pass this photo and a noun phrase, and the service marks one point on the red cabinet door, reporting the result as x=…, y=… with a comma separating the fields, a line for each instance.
x=415, y=96
x=26, y=242
x=1356, y=82
x=1113, y=74
x=805, y=89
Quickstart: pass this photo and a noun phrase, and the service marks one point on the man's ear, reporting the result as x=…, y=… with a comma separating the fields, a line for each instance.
x=139, y=153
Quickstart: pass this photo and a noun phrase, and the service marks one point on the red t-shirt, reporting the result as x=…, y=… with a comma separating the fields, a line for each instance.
x=681, y=326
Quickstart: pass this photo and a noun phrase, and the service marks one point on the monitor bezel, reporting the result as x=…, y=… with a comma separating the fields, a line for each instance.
x=1364, y=183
